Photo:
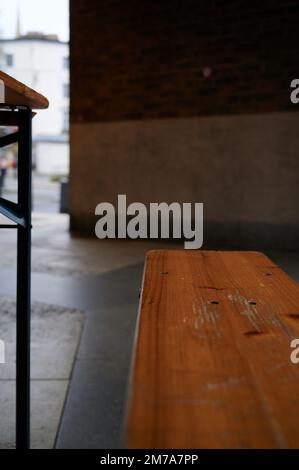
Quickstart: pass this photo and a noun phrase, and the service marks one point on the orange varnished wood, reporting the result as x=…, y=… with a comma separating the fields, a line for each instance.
x=19, y=94
x=212, y=362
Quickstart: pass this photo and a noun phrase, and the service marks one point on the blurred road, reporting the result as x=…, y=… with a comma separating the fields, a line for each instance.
x=46, y=193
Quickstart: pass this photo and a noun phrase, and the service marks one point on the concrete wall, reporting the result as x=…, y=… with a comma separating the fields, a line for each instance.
x=213, y=126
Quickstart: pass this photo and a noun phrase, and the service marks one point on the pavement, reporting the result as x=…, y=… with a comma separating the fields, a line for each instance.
x=55, y=333
x=45, y=192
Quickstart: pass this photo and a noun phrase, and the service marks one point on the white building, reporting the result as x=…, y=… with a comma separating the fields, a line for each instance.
x=42, y=63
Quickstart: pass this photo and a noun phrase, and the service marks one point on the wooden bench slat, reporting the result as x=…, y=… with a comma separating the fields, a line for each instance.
x=208, y=374
x=16, y=93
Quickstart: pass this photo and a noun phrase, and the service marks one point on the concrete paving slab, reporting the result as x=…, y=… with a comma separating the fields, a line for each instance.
x=48, y=397
x=108, y=334
x=94, y=412
x=88, y=293
x=47, y=400
x=95, y=406
x=55, y=336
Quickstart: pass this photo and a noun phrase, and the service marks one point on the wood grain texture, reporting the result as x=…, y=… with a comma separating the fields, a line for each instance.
x=19, y=94
x=212, y=362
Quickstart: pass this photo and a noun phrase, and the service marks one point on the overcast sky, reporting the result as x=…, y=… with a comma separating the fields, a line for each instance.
x=46, y=16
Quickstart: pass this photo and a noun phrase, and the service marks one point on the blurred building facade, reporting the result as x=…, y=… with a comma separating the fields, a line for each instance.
x=42, y=62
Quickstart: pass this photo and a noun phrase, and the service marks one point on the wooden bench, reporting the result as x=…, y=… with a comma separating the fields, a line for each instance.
x=212, y=364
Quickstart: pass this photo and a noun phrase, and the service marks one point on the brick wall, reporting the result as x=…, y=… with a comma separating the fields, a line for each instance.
x=188, y=101
x=140, y=59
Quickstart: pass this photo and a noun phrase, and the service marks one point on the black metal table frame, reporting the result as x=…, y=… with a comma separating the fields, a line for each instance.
x=20, y=214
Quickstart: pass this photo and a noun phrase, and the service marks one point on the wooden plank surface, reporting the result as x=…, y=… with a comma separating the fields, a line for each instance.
x=19, y=94
x=212, y=362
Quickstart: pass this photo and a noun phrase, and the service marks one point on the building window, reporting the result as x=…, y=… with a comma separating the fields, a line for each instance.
x=65, y=62
x=9, y=60
x=65, y=120
x=66, y=90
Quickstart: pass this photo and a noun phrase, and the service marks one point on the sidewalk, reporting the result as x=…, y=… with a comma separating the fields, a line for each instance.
x=74, y=280
x=46, y=193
